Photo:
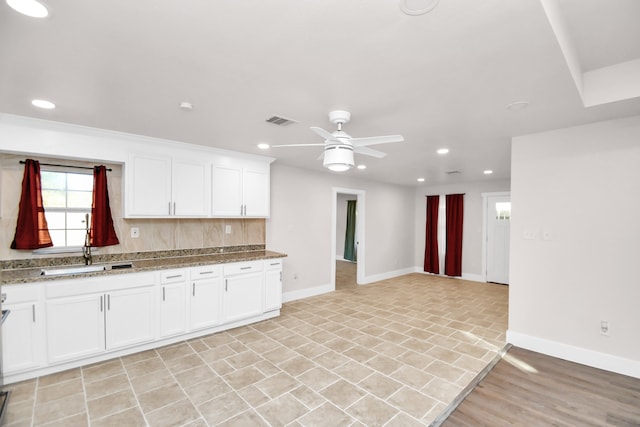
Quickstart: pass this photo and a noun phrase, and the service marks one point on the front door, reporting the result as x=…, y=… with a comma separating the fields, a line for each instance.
x=498, y=224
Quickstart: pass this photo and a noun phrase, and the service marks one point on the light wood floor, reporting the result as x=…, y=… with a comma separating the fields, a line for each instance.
x=530, y=389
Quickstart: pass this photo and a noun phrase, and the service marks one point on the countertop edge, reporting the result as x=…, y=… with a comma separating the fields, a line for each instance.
x=22, y=276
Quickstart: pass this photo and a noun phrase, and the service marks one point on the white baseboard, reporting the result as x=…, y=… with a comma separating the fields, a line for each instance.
x=572, y=353
x=306, y=293
x=465, y=276
x=387, y=275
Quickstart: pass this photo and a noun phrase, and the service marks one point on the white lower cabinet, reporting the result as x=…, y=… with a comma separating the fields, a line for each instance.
x=55, y=325
x=23, y=335
x=173, y=302
x=272, y=285
x=205, y=300
x=88, y=317
x=243, y=291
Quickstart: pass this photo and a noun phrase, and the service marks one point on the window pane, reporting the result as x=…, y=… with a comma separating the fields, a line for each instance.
x=75, y=237
x=53, y=199
x=55, y=220
x=76, y=220
x=77, y=181
x=55, y=180
x=79, y=199
x=57, y=237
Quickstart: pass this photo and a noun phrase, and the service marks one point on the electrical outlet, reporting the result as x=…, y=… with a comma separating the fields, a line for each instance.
x=604, y=327
x=227, y=229
x=135, y=232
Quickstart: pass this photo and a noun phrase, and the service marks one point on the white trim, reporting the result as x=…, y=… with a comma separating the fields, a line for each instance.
x=572, y=353
x=465, y=276
x=485, y=219
x=307, y=292
x=385, y=276
x=360, y=230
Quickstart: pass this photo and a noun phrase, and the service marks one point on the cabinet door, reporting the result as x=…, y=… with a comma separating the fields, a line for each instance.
x=173, y=309
x=23, y=337
x=190, y=188
x=227, y=191
x=205, y=303
x=75, y=327
x=148, y=186
x=273, y=290
x=130, y=314
x=255, y=190
x=243, y=296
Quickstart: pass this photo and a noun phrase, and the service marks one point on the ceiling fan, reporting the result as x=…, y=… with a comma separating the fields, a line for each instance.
x=340, y=146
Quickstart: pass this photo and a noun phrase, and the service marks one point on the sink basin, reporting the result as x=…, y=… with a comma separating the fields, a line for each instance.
x=72, y=270
x=83, y=269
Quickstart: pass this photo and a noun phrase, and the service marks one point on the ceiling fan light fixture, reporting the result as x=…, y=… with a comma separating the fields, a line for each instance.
x=338, y=158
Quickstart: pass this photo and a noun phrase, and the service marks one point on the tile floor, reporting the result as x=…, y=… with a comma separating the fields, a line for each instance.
x=393, y=353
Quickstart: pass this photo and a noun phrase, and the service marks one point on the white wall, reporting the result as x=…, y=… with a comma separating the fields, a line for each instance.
x=341, y=222
x=472, y=226
x=577, y=192
x=300, y=225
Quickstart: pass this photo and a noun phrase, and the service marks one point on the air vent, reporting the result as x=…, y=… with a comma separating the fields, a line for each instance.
x=280, y=121
x=452, y=172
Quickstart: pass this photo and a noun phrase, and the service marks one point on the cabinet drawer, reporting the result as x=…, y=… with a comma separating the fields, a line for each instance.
x=94, y=285
x=242, y=267
x=173, y=276
x=273, y=264
x=204, y=272
x=21, y=293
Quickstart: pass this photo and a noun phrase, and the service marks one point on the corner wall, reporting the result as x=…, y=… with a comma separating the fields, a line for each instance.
x=575, y=244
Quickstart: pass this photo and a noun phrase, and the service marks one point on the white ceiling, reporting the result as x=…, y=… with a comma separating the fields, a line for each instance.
x=442, y=79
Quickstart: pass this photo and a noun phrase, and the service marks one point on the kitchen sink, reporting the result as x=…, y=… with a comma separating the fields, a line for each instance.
x=83, y=269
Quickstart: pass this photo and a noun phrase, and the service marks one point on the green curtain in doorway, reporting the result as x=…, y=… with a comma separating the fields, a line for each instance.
x=350, y=252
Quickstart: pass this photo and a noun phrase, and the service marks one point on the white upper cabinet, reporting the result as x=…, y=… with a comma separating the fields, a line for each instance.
x=240, y=188
x=161, y=186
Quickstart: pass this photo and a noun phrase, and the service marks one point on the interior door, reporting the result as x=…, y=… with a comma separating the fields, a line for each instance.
x=498, y=225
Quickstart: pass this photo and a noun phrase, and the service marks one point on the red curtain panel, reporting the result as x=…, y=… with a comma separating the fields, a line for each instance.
x=102, y=231
x=455, y=215
x=31, y=229
x=431, y=259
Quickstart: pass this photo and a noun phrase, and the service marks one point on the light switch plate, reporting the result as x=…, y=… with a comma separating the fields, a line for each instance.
x=227, y=229
x=135, y=232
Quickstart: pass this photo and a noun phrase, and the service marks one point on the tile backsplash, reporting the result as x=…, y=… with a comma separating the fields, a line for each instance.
x=155, y=234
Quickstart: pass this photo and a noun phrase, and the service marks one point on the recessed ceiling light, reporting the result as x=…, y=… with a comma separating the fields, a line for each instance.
x=443, y=151
x=41, y=103
x=31, y=8
x=187, y=106
x=420, y=179
x=517, y=106
x=418, y=7
x=361, y=167
x=264, y=146
x=488, y=172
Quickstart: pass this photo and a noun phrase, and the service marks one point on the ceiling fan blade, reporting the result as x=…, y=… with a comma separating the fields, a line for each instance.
x=373, y=140
x=298, y=145
x=369, y=152
x=323, y=133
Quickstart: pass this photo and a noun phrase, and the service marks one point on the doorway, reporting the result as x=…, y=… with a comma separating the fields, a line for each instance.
x=347, y=267
x=496, y=230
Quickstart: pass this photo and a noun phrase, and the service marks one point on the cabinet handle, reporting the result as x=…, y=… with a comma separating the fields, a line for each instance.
x=206, y=272
x=101, y=308
x=174, y=276
x=281, y=276
x=109, y=302
x=163, y=294
x=226, y=282
x=245, y=210
x=33, y=312
x=241, y=206
x=275, y=263
x=174, y=208
x=194, y=289
x=169, y=206
x=245, y=268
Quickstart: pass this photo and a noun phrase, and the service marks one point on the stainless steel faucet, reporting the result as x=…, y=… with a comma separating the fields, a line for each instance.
x=86, y=249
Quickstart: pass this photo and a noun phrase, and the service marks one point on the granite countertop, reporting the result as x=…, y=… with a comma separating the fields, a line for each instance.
x=9, y=276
